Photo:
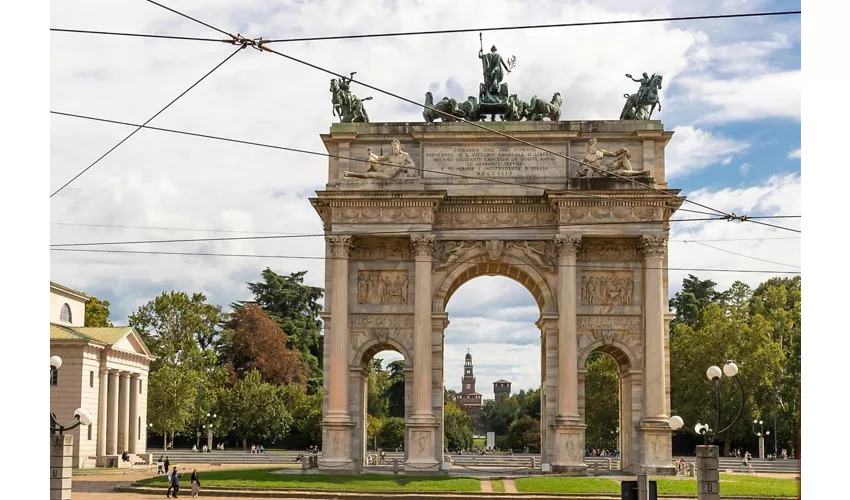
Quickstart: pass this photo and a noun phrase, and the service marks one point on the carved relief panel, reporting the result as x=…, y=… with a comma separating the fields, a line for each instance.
x=381, y=249
x=382, y=287
x=607, y=288
x=609, y=249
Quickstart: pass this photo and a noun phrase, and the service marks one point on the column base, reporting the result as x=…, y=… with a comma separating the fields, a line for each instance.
x=336, y=445
x=421, y=457
x=656, y=456
x=569, y=447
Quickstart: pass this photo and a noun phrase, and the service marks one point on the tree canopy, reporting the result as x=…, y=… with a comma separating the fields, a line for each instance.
x=97, y=313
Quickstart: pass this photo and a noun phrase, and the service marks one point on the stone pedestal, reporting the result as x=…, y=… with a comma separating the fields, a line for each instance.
x=421, y=448
x=569, y=448
x=656, y=446
x=708, y=474
x=61, y=455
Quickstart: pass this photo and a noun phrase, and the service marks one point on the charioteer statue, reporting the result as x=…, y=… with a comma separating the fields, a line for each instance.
x=637, y=105
x=345, y=104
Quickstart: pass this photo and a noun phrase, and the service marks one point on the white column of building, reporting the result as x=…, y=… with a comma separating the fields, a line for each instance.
x=422, y=406
x=568, y=246
x=654, y=247
x=338, y=376
x=124, y=412
x=102, y=412
x=112, y=414
x=134, y=413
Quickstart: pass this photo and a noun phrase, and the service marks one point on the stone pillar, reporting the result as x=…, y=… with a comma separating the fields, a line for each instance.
x=61, y=456
x=761, y=447
x=112, y=414
x=422, y=425
x=569, y=431
x=338, y=424
x=134, y=413
x=708, y=474
x=656, y=434
x=102, y=412
x=124, y=412
x=209, y=438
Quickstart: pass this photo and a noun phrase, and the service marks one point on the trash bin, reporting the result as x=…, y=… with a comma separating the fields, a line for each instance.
x=629, y=490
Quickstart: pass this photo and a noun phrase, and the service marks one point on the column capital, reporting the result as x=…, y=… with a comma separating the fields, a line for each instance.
x=340, y=245
x=125, y=374
x=654, y=245
x=135, y=376
x=567, y=244
x=423, y=244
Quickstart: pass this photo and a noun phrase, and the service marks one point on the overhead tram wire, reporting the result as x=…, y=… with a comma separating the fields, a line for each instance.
x=214, y=230
x=436, y=32
x=260, y=45
x=113, y=148
x=305, y=257
x=340, y=157
x=744, y=255
x=373, y=233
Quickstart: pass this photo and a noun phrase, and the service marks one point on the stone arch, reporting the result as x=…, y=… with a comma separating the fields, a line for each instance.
x=373, y=346
x=621, y=353
x=508, y=266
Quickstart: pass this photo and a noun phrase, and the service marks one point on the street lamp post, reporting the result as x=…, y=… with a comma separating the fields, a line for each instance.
x=62, y=445
x=208, y=426
x=761, y=434
x=708, y=457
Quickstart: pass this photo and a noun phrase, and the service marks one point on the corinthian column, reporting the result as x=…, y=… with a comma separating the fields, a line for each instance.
x=134, y=413
x=336, y=452
x=422, y=425
x=124, y=413
x=654, y=248
x=338, y=377
x=567, y=246
x=102, y=413
x=423, y=247
x=112, y=414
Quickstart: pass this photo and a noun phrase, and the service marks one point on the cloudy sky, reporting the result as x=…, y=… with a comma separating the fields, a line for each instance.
x=732, y=95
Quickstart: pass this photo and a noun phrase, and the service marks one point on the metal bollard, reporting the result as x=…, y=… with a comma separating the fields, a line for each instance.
x=609, y=463
x=533, y=463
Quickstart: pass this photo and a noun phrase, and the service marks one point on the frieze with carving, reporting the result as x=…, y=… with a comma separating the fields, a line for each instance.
x=598, y=249
x=382, y=214
x=381, y=321
x=381, y=249
x=608, y=213
x=459, y=219
x=451, y=252
x=538, y=253
x=382, y=287
x=607, y=288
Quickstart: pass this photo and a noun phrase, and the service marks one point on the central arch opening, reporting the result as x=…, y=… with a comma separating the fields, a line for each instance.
x=492, y=363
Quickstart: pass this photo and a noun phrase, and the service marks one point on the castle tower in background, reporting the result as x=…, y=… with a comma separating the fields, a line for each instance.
x=468, y=398
x=502, y=389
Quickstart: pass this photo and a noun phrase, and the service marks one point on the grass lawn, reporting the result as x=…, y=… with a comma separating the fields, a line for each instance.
x=567, y=485
x=730, y=484
x=479, y=442
x=735, y=485
x=498, y=485
x=266, y=478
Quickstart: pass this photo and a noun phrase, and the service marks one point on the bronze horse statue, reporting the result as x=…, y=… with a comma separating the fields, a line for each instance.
x=636, y=106
x=538, y=109
x=345, y=104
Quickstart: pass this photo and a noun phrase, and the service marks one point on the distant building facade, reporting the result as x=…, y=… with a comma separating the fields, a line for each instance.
x=502, y=389
x=470, y=399
x=105, y=371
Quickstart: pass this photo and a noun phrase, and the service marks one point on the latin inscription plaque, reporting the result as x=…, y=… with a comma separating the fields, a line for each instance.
x=493, y=161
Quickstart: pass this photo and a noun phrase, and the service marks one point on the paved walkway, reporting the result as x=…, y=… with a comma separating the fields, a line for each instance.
x=486, y=486
x=510, y=486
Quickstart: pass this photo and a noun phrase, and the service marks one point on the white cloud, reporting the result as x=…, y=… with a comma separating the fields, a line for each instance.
x=744, y=167
x=727, y=160
x=770, y=95
x=693, y=149
x=795, y=154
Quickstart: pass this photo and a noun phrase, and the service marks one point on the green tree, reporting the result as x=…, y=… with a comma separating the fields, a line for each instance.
x=377, y=387
x=373, y=429
x=180, y=330
x=723, y=333
x=391, y=435
x=695, y=295
x=294, y=307
x=457, y=427
x=497, y=416
x=254, y=409
x=395, y=391
x=524, y=432
x=602, y=406
x=170, y=400
x=97, y=313
x=306, y=411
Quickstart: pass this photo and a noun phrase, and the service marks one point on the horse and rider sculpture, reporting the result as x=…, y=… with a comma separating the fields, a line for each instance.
x=493, y=99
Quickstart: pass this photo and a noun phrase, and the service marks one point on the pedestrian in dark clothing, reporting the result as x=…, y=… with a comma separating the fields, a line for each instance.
x=173, y=483
x=196, y=483
x=166, y=465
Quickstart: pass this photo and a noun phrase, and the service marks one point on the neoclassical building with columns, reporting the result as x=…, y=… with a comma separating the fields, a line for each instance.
x=582, y=224
x=105, y=371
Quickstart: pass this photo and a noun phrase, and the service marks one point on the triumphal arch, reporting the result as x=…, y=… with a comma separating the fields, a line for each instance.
x=412, y=211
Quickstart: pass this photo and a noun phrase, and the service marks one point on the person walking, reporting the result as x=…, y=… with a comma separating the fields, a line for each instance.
x=173, y=483
x=159, y=464
x=167, y=463
x=196, y=483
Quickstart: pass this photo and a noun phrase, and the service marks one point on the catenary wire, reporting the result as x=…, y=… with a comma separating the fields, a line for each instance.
x=306, y=257
x=535, y=26
x=113, y=148
x=373, y=233
x=142, y=35
x=191, y=18
x=213, y=230
x=436, y=32
x=329, y=155
x=741, y=254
